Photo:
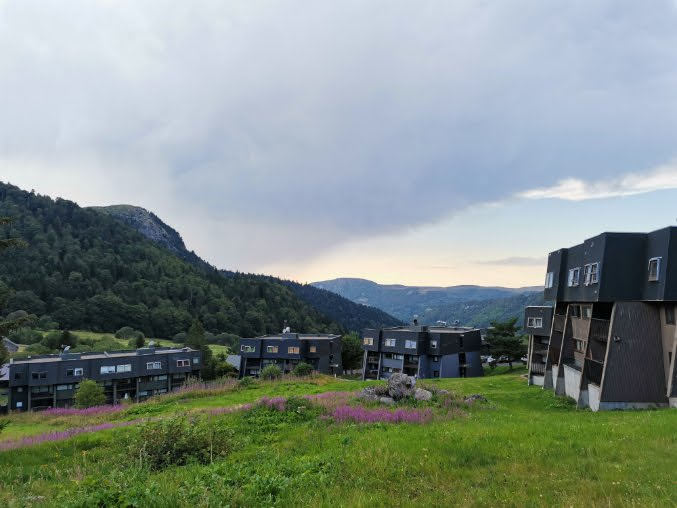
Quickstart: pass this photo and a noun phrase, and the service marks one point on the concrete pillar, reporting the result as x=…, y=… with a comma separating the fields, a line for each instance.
x=380, y=357
x=137, y=389
x=169, y=382
x=53, y=395
x=9, y=398
x=115, y=392
x=418, y=370
x=28, y=406
x=364, y=365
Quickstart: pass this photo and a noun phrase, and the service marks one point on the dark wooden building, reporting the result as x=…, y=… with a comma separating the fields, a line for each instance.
x=422, y=351
x=613, y=337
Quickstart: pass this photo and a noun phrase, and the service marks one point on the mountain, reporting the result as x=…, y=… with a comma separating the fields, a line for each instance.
x=404, y=302
x=348, y=314
x=89, y=270
x=481, y=313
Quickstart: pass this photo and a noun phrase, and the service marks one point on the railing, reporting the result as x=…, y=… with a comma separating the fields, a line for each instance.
x=595, y=371
x=580, y=328
x=599, y=329
x=538, y=368
x=558, y=323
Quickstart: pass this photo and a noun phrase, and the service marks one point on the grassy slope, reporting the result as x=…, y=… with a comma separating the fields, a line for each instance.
x=529, y=449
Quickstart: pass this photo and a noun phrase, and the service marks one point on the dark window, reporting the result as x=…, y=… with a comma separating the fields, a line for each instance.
x=69, y=372
x=39, y=375
x=17, y=375
x=436, y=373
x=670, y=315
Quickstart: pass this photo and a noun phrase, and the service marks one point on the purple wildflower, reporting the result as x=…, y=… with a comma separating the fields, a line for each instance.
x=95, y=410
x=381, y=415
x=274, y=402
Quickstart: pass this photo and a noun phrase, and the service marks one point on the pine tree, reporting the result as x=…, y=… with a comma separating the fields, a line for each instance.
x=504, y=340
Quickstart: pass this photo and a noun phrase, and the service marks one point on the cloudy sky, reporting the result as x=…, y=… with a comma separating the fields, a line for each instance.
x=427, y=142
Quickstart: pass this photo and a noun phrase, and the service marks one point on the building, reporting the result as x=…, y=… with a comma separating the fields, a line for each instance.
x=422, y=351
x=287, y=350
x=46, y=381
x=537, y=324
x=613, y=336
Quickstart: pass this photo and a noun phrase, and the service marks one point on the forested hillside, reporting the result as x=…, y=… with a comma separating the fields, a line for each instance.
x=348, y=314
x=89, y=271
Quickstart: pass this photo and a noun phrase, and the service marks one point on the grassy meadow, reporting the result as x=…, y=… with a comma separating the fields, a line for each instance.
x=524, y=447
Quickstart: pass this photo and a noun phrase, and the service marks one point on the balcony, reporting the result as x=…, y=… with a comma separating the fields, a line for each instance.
x=580, y=328
x=599, y=329
x=538, y=369
x=558, y=323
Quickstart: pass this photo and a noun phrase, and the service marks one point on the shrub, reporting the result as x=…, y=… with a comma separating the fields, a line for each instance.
x=89, y=394
x=180, y=337
x=271, y=372
x=245, y=382
x=47, y=323
x=126, y=332
x=25, y=335
x=3, y=423
x=180, y=440
x=137, y=342
x=303, y=369
x=56, y=340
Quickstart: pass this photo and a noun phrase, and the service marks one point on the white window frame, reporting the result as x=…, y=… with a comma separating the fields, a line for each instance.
x=196, y=360
x=433, y=344
x=410, y=344
x=313, y=349
x=368, y=341
x=107, y=369
x=272, y=349
x=549, y=279
x=123, y=367
x=390, y=343
x=591, y=274
x=535, y=322
x=184, y=362
x=574, y=277
x=153, y=365
x=657, y=277
x=293, y=350
x=247, y=349
x=78, y=371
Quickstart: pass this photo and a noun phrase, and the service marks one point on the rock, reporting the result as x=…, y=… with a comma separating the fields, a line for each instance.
x=387, y=400
x=401, y=385
x=471, y=399
x=421, y=394
x=442, y=392
x=368, y=394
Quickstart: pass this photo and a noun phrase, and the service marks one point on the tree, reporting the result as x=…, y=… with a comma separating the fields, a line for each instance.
x=137, y=341
x=89, y=394
x=504, y=340
x=351, y=351
x=4, y=354
x=196, y=335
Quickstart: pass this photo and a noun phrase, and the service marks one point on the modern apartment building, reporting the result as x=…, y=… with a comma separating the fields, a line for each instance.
x=422, y=351
x=613, y=337
x=537, y=324
x=46, y=381
x=287, y=350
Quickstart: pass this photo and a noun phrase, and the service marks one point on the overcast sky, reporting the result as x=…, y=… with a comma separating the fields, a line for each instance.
x=417, y=142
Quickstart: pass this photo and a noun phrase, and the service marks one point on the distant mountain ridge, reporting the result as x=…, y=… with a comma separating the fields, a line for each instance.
x=350, y=315
x=404, y=302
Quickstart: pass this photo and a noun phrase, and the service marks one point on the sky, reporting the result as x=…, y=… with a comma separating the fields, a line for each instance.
x=422, y=143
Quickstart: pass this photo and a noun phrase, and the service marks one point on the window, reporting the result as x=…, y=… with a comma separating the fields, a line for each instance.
x=654, y=269
x=368, y=341
x=19, y=389
x=17, y=375
x=435, y=359
x=61, y=388
x=196, y=360
x=19, y=405
x=433, y=344
x=127, y=367
x=313, y=349
x=247, y=349
x=293, y=350
x=271, y=349
x=410, y=344
x=587, y=311
x=576, y=311
x=574, y=277
x=535, y=322
x=549, y=280
x=670, y=315
x=39, y=375
x=579, y=345
x=390, y=342
x=436, y=373
x=107, y=369
x=162, y=377
x=591, y=274
x=153, y=365
x=183, y=363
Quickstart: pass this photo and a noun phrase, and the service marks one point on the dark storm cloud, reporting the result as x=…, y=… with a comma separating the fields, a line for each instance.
x=336, y=119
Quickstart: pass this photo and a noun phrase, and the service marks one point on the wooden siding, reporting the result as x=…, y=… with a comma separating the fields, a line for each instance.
x=633, y=370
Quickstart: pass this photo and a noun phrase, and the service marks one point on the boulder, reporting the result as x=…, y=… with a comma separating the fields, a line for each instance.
x=387, y=400
x=471, y=399
x=401, y=385
x=421, y=394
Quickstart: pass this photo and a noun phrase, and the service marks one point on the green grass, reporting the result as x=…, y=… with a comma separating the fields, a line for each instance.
x=527, y=448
